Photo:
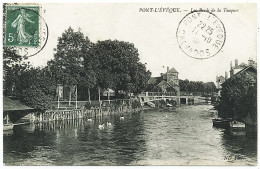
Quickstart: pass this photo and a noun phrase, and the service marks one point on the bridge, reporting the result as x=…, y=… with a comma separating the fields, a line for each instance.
x=157, y=96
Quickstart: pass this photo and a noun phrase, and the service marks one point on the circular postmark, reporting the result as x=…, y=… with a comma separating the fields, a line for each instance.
x=26, y=31
x=201, y=34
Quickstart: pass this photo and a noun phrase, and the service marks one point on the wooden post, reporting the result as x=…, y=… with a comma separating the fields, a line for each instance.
x=76, y=97
x=88, y=95
x=58, y=96
x=7, y=118
x=41, y=116
x=70, y=95
x=98, y=93
x=59, y=99
x=99, y=98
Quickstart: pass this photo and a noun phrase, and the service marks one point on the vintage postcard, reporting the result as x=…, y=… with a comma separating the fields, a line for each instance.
x=129, y=84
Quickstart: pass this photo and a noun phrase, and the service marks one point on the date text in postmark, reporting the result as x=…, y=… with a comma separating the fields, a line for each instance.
x=201, y=35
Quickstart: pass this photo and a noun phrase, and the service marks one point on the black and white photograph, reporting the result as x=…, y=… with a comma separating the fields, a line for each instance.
x=129, y=83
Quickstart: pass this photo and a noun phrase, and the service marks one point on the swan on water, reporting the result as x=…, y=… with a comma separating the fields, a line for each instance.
x=101, y=126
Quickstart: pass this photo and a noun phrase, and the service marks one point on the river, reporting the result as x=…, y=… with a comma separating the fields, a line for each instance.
x=151, y=137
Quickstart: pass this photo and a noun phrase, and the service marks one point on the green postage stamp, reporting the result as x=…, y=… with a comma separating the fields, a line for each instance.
x=22, y=26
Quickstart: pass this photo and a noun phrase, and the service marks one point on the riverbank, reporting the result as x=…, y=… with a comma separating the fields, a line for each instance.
x=74, y=114
x=149, y=137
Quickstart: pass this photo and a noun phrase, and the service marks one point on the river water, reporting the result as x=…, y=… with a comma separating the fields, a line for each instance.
x=151, y=137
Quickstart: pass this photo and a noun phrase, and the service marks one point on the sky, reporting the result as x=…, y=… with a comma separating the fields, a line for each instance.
x=154, y=34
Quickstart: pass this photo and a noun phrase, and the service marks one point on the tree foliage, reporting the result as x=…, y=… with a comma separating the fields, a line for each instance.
x=68, y=66
x=77, y=61
x=119, y=66
x=197, y=86
x=239, y=97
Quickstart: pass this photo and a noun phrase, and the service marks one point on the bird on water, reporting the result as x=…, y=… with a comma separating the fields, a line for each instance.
x=101, y=126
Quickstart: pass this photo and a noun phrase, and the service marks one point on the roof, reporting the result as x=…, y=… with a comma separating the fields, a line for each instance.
x=252, y=68
x=248, y=68
x=108, y=91
x=240, y=66
x=173, y=70
x=173, y=83
x=162, y=83
x=154, y=80
x=14, y=105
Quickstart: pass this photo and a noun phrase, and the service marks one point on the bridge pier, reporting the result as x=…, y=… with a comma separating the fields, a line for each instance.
x=178, y=101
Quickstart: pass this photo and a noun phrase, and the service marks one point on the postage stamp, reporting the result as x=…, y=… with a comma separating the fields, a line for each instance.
x=22, y=26
x=201, y=34
x=25, y=30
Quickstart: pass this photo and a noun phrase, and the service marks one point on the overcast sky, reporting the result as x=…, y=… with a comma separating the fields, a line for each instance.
x=154, y=34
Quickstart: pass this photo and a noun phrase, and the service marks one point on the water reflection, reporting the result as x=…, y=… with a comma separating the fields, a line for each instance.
x=240, y=149
x=183, y=137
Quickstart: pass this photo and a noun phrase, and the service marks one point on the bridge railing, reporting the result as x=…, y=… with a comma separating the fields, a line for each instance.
x=158, y=94
x=182, y=93
x=185, y=93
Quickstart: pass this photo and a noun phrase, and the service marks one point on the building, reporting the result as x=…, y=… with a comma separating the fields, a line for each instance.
x=219, y=81
x=250, y=72
x=233, y=71
x=238, y=67
x=13, y=110
x=248, y=68
x=166, y=82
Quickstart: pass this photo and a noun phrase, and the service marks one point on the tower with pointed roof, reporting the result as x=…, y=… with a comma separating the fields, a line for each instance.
x=172, y=79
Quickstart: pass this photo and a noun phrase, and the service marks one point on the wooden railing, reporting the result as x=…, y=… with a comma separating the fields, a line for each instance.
x=80, y=104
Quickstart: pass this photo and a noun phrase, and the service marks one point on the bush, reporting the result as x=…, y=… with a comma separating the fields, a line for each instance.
x=35, y=98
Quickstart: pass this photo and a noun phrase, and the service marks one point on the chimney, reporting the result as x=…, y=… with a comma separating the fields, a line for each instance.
x=236, y=63
x=226, y=75
x=230, y=65
x=250, y=61
x=161, y=74
x=167, y=68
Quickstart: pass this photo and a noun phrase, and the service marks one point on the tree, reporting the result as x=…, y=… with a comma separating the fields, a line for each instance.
x=12, y=64
x=119, y=66
x=72, y=64
x=69, y=57
x=184, y=85
x=239, y=97
x=196, y=86
x=209, y=87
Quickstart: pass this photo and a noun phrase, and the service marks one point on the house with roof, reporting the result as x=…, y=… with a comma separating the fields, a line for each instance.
x=250, y=72
x=238, y=67
x=166, y=82
x=247, y=69
x=234, y=69
x=13, y=110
